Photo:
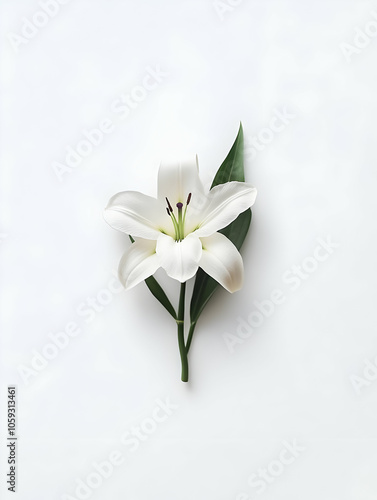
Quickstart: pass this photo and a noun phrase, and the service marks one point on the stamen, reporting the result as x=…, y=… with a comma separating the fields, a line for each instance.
x=184, y=213
x=178, y=223
x=170, y=213
x=169, y=206
x=175, y=224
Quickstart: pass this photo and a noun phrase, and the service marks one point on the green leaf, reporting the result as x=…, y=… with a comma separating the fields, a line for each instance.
x=232, y=169
x=160, y=295
x=158, y=292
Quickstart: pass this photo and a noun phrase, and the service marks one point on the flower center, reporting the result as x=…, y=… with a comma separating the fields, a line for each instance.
x=178, y=223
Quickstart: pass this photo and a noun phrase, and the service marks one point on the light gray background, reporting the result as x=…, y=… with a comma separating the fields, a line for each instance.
x=292, y=379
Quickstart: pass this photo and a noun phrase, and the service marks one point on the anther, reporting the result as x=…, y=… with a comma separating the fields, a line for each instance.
x=188, y=199
x=169, y=206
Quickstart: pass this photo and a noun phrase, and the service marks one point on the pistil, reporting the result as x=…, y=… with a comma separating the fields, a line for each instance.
x=181, y=233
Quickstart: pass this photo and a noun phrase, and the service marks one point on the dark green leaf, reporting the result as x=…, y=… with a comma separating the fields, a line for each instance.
x=232, y=169
x=160, y=295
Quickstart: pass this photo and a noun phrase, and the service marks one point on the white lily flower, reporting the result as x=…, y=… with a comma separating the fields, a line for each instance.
x=178, y=230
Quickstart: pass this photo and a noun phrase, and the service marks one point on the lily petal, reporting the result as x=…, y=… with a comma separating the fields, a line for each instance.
x=136, y=214
x=177, y=179
x=179, y=258
x=225, y=203
x=221, y=260
x=138, y=263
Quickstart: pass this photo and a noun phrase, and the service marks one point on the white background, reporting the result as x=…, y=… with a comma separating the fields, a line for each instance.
x=291, y=380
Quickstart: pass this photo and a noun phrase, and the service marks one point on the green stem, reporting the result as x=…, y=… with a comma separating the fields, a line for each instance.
x=181, y=333
x=191, y=333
